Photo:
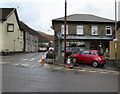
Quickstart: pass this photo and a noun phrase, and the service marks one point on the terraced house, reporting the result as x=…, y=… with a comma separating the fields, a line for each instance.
x=83, y=30
x=30, y=38
x=11, y=37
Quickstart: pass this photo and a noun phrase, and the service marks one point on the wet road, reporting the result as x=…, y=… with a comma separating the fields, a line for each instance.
x=35, y=78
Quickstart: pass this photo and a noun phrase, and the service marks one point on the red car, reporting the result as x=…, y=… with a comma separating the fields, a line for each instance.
x=93, y=57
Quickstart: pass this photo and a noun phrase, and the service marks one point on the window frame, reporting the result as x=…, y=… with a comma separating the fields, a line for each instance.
x=110, y=30
x=79, y=29
x=93, y=28
x=62, y=29
x=9, y=27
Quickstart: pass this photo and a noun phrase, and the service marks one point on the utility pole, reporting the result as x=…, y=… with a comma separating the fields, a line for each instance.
x=65, y=22
x=116, y=34
x=115, y=16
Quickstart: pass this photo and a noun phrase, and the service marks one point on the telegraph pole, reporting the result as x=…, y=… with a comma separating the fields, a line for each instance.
x=116, y=34
x=115, y=15
x=65, y=22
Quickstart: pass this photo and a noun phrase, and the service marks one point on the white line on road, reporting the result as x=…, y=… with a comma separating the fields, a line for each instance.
x=4, y=62
x=30, y=59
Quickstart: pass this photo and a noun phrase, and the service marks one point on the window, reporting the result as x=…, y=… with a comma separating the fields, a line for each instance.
x=80, y=44
x=108, y=30
x=62, y=29
x=80, y=30
x=94, y=30
x=85, y=52
x=91, y=53
x=10, y=27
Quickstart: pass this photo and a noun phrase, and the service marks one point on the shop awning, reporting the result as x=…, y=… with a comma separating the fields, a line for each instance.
x=86, y=37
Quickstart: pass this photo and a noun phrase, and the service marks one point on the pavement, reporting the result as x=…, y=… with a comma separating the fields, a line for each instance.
x=111, y=66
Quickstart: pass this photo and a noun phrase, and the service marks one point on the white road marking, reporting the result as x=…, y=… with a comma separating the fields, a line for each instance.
x=15, y=64
x=30, y=59
x=4, y=62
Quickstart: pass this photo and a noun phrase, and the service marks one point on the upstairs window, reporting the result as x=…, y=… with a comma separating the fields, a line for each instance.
x=10, y=27
x=79, y=30
x=108, y=30
x=62, y=29
x=94, y=30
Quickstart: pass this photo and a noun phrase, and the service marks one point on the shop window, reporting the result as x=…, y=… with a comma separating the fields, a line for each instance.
x=80, y=44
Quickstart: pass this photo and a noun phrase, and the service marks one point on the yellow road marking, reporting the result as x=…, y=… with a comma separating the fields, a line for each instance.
x=92, y=71
x=103, y=72
x=69, y=69
x=81, y=70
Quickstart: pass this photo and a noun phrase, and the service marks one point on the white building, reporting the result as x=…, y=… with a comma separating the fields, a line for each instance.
x=11, y=37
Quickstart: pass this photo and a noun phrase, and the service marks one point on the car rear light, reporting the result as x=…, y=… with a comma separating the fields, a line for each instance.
x=99, y=58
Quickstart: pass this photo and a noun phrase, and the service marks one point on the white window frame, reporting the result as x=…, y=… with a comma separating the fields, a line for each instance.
x=10, y=27
x=94, y=27
x=62, y=29
x=79, y=30
x=108, y=29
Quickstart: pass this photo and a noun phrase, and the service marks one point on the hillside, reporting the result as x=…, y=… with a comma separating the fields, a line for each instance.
x=45, y=37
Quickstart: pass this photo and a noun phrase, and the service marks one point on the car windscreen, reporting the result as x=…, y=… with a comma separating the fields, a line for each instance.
x=100, y=54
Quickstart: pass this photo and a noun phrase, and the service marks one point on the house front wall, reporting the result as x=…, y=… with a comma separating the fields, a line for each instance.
x=72, y=27
x=13, y=41
x=31, y=43
x=72, y=30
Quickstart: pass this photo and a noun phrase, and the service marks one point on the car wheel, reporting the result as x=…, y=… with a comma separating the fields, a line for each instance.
x=95, y=63
x=74, y=60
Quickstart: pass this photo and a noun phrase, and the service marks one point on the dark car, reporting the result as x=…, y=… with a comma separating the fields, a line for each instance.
x=50, y=54
x=73, y=50
x=93, y=57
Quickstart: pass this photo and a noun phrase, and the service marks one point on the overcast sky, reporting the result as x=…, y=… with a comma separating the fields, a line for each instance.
x=38, y=13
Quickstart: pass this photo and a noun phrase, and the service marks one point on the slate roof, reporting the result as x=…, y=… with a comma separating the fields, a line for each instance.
x=5, y=13
x=26, y=28
x=84, y=18
x=42, y=37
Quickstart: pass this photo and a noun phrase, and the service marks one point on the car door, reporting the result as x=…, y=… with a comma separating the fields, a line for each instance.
x=83, y=56
x=90, y=57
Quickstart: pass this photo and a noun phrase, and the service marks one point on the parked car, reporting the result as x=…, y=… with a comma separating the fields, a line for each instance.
x=73, y=50
x=93, y=57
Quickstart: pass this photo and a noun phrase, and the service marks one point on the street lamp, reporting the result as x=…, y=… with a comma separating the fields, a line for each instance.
x=65, y=22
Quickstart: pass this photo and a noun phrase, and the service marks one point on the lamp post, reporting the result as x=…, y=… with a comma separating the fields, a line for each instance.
x=65, y=22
